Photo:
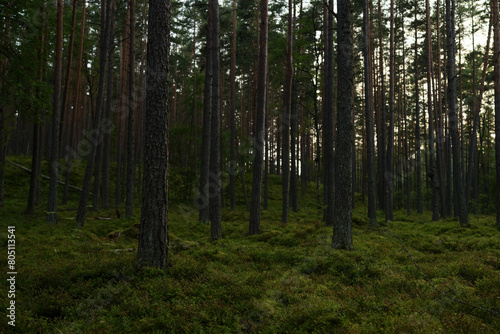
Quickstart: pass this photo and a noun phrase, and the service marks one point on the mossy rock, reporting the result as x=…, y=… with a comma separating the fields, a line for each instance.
x=267, y=235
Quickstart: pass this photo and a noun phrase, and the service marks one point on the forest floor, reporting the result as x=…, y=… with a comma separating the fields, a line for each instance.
x=408, y=276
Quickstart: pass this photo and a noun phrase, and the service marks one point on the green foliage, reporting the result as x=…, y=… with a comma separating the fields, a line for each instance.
x=285, y=280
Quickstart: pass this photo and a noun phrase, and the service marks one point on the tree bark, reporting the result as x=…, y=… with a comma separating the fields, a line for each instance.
x=232, y=110
x=372, y=187
x=342, y=224
x=214, y=178
x=285, y=119
x=97, y=126
x=255, y=208
x=328, y=126
x=54, y=153
x=452, y=97
x=153, y=237
x=496, y=82
x=389, y=176
x=129, y=201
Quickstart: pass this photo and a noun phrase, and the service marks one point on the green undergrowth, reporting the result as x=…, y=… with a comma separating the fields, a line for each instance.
x=408, y=276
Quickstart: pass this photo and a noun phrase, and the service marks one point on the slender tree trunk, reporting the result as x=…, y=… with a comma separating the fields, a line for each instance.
x=96, y=122
x=342, y=224
x=381, y=126
x=389, y=176
x=293, y=145
x=496, y=83
x=214, y=178
x=417, y=124
x=372, y=188
x=68, y=74
x=107, y=117
x=432, y=169
x=452, y=97
x=477, y=108
x=54, y=154
x=232, y=110
x=285, y=119
x=129, y=201
x=203, y=198
x=153, y=238
x=255, y=209
x=328, y=126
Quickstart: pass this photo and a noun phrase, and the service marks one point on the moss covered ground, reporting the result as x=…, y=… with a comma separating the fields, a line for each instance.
x=408, y=276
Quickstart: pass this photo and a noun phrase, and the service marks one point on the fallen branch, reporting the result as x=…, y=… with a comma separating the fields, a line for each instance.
x=45, y=176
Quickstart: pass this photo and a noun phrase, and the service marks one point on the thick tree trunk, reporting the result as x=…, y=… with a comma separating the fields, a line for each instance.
x=452, y=97
x=258, y=147
x=54, y=153
x=342, y=224
x=153, y=238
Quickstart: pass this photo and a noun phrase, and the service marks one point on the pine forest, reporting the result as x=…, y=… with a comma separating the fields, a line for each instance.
x=250, y=166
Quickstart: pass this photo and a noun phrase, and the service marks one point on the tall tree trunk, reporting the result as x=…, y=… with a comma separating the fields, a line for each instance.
x=342, y=224
x=496, y=82
x=389, y=176
x=96, y=121
x=255, y=209
x=417, y=123
x=203, y=198
x=432, y=168
x=477, y=108
x=452, y=97
x=285, y=119
x=372, y=187
x=153, y=238
x=214, y=179
x=328, y=126
x=109, y=105
x=71, y=136
x=232, y=110
x=129, y=201
x=54, y=154
x=293, y=145
x=68, y=74
x=381, y=126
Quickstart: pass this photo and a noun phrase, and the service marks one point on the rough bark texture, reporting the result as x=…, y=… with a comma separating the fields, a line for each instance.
x=214, y=178
x=452, y=99
x=258, y=147
x=372, y=185
x=153, y=238
x=342, y=227
x=54, y=152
